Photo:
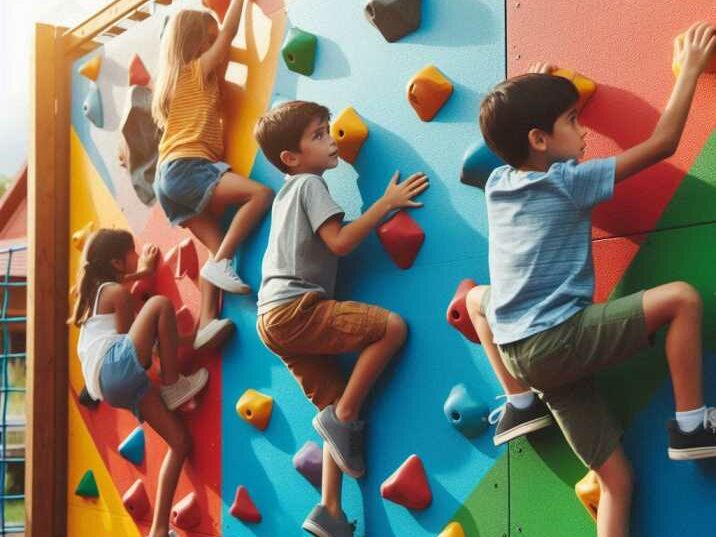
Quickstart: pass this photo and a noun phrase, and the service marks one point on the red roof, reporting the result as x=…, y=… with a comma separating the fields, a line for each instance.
x=13, y=226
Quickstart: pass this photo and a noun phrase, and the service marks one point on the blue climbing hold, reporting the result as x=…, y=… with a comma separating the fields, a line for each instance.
x=92, y=107
x=477, y=165
x=132, y=448
x=464, y=413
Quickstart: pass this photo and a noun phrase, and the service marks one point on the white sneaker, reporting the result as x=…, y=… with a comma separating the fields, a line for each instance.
x=175, y=395
x=213, y=333
x=222, y=275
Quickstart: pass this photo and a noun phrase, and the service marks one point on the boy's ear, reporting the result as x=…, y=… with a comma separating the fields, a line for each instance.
x=289, y=158
x=537, y=140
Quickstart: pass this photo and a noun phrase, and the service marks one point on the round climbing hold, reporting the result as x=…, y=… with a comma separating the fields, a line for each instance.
x=255, y=408
x=309, y=462
x=464, y=413
x=477, y=165
x=428, y=91
x=394, y=18
x=299, y=51
x=402, y=238
x=454, y=529
x=585, y=86
x=350, y=133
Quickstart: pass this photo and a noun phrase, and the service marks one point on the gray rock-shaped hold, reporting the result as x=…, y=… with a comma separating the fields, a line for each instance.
x=140, y=142
x=394, y=18
x=92, y=107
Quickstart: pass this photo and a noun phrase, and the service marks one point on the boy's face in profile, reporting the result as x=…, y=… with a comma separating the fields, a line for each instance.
x=567, y=139
x=318, y=151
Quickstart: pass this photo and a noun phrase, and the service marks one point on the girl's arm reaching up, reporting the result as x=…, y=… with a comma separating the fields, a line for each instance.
x=217, y=55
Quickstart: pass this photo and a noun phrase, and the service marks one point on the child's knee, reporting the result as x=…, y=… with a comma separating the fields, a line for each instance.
x=616, y=478
x=396, y=329
x=688, y=296
x=160, y=302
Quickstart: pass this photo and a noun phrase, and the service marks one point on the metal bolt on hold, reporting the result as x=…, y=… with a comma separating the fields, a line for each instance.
x=517, y=4
x=518, y=56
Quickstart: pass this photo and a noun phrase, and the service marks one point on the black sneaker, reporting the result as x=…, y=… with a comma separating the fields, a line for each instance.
x=514, y=422
x=698, y=444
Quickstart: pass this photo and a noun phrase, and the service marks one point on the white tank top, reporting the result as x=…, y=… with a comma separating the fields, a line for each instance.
x=96, y=335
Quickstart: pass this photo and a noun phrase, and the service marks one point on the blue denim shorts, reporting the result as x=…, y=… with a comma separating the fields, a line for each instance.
x=184, y=186
x=122, y=379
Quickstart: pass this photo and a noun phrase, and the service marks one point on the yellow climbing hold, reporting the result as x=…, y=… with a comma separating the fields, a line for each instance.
x=350, y=133
x=80, y=236
x=678, y=51
x=585, y=86
x=428, y=91
x=91, y=68
x=454, y=529
x=255, y=408
x=588, y=492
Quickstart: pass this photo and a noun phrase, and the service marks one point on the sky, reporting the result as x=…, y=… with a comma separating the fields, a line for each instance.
x=16, y=31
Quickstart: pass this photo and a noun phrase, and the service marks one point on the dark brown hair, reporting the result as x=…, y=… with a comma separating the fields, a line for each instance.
x=281, y=129
x=101, y=248
x=516, y=106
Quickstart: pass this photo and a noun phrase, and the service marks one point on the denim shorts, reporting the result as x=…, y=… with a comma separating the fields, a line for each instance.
x=122, y=379
x=184, y=186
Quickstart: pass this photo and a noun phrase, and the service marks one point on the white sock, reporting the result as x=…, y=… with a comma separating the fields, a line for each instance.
x=691, y=420
x=521, y=400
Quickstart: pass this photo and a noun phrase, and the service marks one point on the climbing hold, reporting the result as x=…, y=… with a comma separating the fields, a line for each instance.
x=457, y=314
x=92, y=107
x=309, y=462
x=454, y=529
x=186, y=513
x=138, y=74
x=678, y=48
x=80, y=236
x=183, y=259
x=584, y=85
x=185, y=322
x=132, y=448
x=140, y=140
x=464, y=413
x=244, y=507
x=349, y=132
x=136, y=501
x=299, y=51
x=588, y=492
x=90, y=69
x=255, y=408
x=394, y=18
x=142, y=290
x=86, y=399
x=87, y=487
x=428, y=91
x=408, y=486
x=402, y=237
x=477, y=165
x=220, y=7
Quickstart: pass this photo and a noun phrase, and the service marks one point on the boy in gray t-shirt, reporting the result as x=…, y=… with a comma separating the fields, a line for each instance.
x=298, y=318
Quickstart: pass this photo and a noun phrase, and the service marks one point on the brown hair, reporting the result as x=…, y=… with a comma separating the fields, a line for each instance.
x=101, y=248
x=516, y=106
x=281, y=129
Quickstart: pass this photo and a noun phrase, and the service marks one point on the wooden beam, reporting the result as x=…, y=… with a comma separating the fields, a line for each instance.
x=47, y=302
x=139, y=15
x=114, y=31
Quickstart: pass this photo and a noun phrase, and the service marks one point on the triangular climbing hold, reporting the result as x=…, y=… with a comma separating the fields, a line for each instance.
x=408, y=486
x=132, y=448
x=92, y=107
x=183, y=259
x=454, y=529
x=138, y=74
x=220, y=7
x=244, y=507
x=402, y=237
x=90, y=69
x=457, y=314
x=589, y=492
x=87, y=487
x=136, y=501
x=186, y=513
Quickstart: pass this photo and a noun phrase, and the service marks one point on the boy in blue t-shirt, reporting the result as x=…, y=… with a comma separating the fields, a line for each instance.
x=536, y=321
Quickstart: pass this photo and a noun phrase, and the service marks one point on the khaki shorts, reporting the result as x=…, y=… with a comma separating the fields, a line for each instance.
x=561, y=362
x=308, y=333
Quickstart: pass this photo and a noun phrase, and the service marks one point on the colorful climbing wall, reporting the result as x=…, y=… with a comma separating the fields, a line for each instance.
x=658, y=229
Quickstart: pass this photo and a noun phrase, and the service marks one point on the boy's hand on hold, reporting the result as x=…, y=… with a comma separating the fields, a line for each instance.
x=148, y=258
x=697, y=47
x=542, y=68
x=400, y=195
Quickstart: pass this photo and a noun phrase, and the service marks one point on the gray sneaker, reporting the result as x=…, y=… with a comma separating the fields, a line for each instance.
x=322, y=524
x=344, y=440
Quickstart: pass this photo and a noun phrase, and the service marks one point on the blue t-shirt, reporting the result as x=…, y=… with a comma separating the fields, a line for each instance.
x=541, y=268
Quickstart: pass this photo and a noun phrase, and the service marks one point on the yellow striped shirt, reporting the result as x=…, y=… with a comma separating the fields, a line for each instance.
x=193, y=128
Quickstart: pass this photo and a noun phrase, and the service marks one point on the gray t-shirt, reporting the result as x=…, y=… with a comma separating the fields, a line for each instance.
x=297, y=260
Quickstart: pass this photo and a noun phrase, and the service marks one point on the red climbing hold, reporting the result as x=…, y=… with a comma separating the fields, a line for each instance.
x=457, y=311
x=220, y=7
x=183, y=259
x=408, y=486
x=136, y=501
x=186, y=513
x=138, y=74
x=143, y=289
x=243, y=507
x=402, y=237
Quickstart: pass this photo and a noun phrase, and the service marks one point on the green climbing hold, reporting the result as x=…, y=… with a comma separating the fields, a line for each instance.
x=88, y=486
x=299, y=51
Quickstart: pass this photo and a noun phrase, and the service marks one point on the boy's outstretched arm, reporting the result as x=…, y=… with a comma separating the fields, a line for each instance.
x=217, y=55
x=698, y=46
x=341, y=240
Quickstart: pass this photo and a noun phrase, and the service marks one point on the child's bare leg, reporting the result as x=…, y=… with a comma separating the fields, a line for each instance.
x=616, y=484
x=253, y=200
x=157, y=321
x=473, y=300
x=370, y=364
x=679, y=305
x=168, y=425
x=331, y=483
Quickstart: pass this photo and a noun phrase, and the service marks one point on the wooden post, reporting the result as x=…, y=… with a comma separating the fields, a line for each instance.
x=47, y=308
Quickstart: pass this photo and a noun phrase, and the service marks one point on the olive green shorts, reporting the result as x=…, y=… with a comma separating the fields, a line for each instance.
x=560, y=363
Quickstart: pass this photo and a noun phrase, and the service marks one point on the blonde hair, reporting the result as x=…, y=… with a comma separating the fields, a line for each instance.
x=184, y=36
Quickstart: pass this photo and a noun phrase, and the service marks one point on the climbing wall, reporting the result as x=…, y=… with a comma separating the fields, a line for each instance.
x=657, y=230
